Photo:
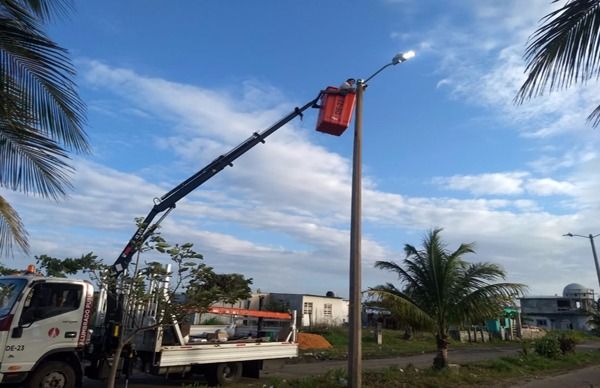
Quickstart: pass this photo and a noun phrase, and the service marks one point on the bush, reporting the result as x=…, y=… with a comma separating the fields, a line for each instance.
x=548, y=346
x=567, y=343
x=525, y=348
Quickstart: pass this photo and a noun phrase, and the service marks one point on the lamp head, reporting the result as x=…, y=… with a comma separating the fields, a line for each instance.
x=568, y=235
x=402, y=57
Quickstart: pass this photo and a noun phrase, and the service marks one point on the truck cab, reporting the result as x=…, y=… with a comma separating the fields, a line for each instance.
x=44, y=324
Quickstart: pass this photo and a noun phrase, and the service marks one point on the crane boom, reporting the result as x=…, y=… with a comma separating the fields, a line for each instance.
x=168, y=201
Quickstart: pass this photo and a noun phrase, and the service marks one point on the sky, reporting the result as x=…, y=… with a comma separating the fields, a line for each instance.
x=169, y=86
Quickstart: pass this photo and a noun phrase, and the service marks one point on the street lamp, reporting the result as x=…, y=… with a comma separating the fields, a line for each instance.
x=591, y=238
x=355, y=350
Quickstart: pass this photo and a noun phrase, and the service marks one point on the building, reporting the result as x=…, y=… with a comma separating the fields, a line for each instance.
x=312, y=310
x=571, y=311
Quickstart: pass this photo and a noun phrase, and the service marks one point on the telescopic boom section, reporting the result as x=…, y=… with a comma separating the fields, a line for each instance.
x=168, y=201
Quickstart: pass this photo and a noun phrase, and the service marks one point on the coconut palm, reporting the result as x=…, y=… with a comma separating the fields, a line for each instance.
x=564, y=51
x=439, y=288
x=41, y=114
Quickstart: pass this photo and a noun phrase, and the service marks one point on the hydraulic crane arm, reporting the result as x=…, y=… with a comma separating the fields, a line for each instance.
x=168, y=201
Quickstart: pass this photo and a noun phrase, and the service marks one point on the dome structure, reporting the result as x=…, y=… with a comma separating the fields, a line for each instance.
x=576, y=290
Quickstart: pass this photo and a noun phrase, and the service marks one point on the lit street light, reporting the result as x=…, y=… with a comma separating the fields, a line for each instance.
x=591, y=238
x=355, y=349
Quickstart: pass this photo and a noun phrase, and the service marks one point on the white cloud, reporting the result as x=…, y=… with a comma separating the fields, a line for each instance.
x=494, y=183
x=571, y=158
x=488, y=70
x=547, y=186
x=511, y=183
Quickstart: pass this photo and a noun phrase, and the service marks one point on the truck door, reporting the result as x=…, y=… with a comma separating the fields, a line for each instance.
x=10, y=292
x=51, y=318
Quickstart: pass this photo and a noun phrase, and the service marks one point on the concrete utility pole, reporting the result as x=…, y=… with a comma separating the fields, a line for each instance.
x=355, y=348
x=355, y=308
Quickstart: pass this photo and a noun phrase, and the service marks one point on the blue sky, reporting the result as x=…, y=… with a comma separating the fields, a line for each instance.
x=171, y=85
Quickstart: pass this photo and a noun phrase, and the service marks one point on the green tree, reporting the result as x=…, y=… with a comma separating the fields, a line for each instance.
x=153, y=284
x=564, y=51
x=439, y=288
x=88, y=263
x=207, y=288
x=7, y=271
x=41, y=114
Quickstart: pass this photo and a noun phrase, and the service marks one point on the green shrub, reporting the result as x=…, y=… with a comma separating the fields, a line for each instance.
x=525, y=348
x=548, y=346
x=567, y=343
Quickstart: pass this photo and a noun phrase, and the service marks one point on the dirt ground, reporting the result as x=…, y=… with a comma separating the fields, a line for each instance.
x=312, y=341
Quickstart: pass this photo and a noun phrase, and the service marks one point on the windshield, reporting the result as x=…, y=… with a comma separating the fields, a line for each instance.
x=9, y=291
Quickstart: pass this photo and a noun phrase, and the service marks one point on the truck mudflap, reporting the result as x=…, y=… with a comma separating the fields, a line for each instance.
x=12, y=378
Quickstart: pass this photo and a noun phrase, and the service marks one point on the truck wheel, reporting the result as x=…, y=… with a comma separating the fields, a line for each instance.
x=228, y=372
x=53, y=374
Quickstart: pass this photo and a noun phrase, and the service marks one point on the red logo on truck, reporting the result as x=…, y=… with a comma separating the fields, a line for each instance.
x=53, y=332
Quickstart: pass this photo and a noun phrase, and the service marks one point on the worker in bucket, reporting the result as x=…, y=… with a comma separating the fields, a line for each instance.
x=347, y=86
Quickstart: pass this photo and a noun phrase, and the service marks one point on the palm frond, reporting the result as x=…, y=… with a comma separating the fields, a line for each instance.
x=41, y=113
x=485, y=302
x=29, y=11
x=38, y=72
x=31, y=162
x=564, y=50
x=482, y=272
x=11, y=229
x=403, y=275
x=594, y=117
x=402, y=306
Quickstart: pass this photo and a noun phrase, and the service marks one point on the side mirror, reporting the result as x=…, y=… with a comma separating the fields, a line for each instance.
x=17, y=332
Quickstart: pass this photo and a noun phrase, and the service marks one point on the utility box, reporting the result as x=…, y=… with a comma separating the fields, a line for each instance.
x=336, y=110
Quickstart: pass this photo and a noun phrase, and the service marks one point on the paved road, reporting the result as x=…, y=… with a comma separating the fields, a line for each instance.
x=581, y=378
x=588, y=377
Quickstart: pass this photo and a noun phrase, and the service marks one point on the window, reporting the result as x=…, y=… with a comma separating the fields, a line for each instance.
x=563, y=305
x=541, y=322
x=308, y=307
x=50, y=299
x=10, y=289
x=327, y=310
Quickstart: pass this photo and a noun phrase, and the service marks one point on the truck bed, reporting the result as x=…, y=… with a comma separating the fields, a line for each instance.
x=230, y=351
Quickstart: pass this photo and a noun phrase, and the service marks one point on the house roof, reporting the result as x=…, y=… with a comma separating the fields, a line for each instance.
x=313, y=295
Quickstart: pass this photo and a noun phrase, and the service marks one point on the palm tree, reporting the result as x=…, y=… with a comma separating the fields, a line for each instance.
x=564, y=51
x=41, y=114
x=439, y=289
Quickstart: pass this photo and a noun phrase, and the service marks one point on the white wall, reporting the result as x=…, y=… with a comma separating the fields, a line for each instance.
x=338, y=314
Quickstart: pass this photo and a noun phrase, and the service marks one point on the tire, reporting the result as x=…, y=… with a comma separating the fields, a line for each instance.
x=228, y=372
x=53, y=374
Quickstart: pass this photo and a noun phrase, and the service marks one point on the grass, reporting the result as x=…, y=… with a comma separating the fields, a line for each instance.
x=393, y=344
x=501, y=372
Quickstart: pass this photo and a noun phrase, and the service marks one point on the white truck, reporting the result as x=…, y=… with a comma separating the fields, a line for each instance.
x=45, y=332
x=55, y=331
